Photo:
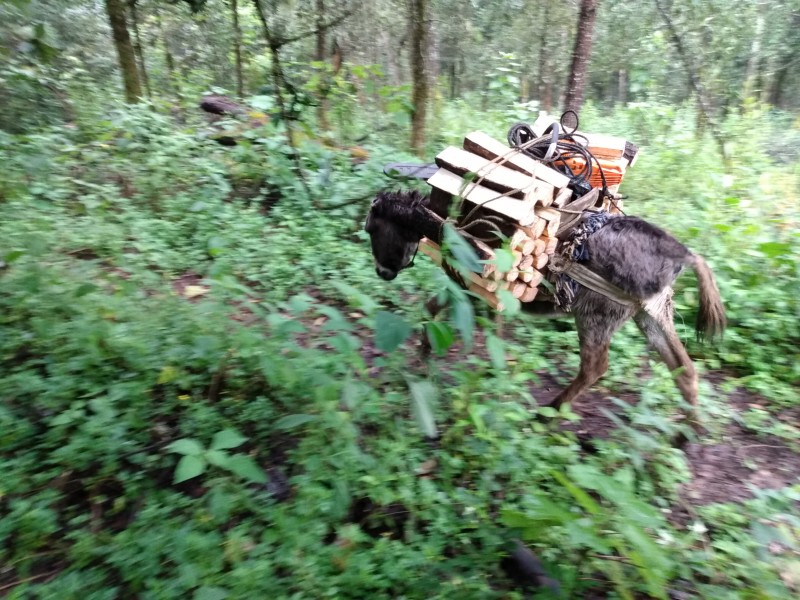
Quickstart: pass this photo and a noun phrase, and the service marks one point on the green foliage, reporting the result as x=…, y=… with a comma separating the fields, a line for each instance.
x=195, y=458
x=208, y=393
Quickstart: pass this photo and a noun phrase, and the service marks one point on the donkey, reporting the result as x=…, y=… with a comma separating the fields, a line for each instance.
x=630, y=253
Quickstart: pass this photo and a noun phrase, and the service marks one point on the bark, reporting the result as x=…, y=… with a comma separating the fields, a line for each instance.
x=786, y=63
x=753, y=63
x=168, y=58
x=125, y=53
x=419, y=94
x=279, y=82
x=622, y=86
x=544, y=84
x=319, y=56
x=139, y=49
x=576, y=84
x=237, y=48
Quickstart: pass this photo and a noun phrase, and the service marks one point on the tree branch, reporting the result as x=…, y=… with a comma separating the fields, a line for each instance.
x=694, y=79
x=280, y=42
x=280, y=83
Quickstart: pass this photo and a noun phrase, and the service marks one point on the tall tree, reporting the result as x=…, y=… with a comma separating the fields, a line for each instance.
x=125, y=54
x=544, y=84
x=138, y=48
x=172, y=74
x=576, y=84
x=319, y=56
x=419, y=79
x=237, y=47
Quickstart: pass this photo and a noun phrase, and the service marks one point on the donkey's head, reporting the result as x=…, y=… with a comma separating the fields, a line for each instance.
x=392, y=231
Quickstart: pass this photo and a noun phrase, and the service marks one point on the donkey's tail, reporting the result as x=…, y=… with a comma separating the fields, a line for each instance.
x=711, y=315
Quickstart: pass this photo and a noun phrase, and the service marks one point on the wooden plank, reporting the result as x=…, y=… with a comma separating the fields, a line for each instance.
x=528, y=246
x=531, y=276
x=518, y=211
x=551, y=243
x=493, y=175
x=536, y=230
x=553, y=218
x=529, y=294
x=519, y=289
x=564, y=196
x=486, y=146
x=434, y=252
x=489, y=297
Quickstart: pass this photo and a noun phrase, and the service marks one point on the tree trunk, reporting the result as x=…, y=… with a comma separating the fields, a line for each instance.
x=419, y=94
x=319, y=56
x=576, y=84
x=786, y=61
x=237, y=48
x=753, y=63
x=168, y=59
x=125, y=53
x=544, y=84
x=622, y=86
x=139, y=49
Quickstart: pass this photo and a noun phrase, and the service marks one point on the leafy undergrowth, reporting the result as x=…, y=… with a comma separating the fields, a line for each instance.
x=211, y=396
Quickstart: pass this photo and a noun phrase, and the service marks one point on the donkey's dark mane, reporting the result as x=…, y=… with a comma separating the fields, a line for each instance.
x=410, y=210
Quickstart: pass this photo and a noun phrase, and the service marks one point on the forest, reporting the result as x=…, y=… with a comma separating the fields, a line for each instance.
x=208, y=392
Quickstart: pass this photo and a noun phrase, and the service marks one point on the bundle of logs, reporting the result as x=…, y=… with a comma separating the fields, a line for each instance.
x=502, y=197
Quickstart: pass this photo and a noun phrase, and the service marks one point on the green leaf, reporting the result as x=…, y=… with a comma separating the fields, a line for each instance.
x=10, y=257
x=423, y=394
x=336, y=320
x=503, y=260
x=464, y=318
x=216, y=246
x=293, y=421
x=496, y=349
x=168, y=374
x=461, y=250
x=246, y=468
x=84, y=289
x=218, y=458
x=775, y=249
x=186, y=446
x=189, y=467
x=584, y=499
x=211, y=593
x=226, y=439
x=441, y=337
x=511, y=304
x=391, y=330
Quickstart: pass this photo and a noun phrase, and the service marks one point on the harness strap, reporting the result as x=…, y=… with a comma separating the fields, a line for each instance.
x=654, y=305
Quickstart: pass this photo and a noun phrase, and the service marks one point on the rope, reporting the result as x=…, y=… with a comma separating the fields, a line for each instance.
x=564, y=265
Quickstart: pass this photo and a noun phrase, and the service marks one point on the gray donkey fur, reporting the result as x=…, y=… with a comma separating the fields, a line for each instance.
x=634, y=255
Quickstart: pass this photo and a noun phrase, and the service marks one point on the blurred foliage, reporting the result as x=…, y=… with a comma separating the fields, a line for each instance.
x=207, y=393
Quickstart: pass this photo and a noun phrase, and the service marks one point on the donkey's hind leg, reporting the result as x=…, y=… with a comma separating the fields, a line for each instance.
x=660, y=332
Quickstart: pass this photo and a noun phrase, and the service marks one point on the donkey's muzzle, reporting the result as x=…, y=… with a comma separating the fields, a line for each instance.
x=385, y=274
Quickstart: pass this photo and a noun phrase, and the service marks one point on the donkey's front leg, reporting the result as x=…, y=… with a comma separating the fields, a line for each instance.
x=597, y=319
x=594, y=364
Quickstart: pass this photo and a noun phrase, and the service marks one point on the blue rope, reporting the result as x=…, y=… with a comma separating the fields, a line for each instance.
x=566, y=286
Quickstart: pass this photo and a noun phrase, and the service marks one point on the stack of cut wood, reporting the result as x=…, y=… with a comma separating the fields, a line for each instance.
x=506, y=191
